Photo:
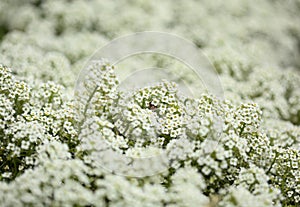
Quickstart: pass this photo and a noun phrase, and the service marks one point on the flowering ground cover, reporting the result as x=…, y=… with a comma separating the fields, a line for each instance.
x=69, y=141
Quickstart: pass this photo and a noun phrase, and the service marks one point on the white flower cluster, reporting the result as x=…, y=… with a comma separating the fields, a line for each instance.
x=219, y=156
x=75, y=28
x=284, y=173
x=41, y=133
x=239, y=196
x=29, y=118
x=58, y=151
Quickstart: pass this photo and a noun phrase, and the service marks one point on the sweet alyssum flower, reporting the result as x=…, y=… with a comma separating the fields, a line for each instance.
x=243, y=151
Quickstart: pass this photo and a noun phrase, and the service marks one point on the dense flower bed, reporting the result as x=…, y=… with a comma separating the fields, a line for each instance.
x=51, y=139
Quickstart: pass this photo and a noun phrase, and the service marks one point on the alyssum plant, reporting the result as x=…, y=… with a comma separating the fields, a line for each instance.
x=50, y=147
